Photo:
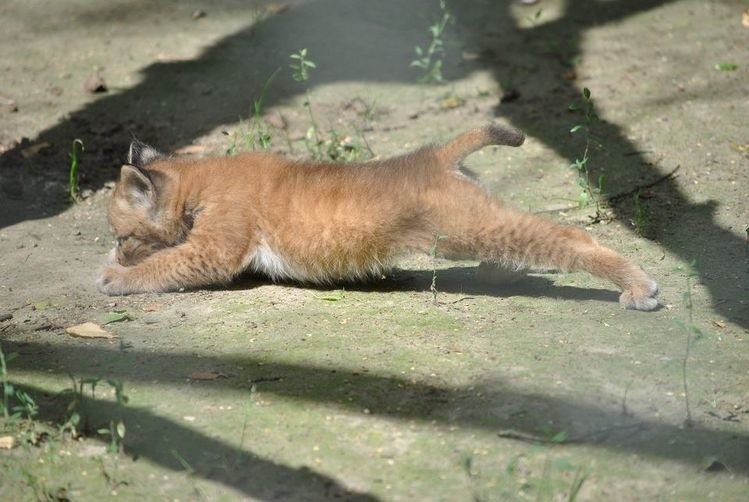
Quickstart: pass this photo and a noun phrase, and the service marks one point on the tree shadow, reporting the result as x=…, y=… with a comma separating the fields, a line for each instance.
x=180, y=101
x=490, y=405
x=170, y=444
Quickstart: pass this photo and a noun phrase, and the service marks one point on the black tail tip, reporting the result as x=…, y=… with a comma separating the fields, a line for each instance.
x=507, y=136
x=514, y=137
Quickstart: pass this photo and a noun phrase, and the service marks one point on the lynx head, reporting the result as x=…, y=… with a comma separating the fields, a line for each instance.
x=140, y=214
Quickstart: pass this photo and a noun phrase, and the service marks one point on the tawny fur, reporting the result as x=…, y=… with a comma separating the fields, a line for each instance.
x=186, y=224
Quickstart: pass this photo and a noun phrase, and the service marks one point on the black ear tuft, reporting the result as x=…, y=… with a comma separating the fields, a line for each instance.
x=138, y=187
x=140, y=154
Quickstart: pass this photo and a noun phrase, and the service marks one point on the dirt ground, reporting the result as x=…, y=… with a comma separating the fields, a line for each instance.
x=542, y=390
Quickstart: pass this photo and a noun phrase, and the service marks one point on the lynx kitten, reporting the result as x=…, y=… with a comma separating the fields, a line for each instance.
x=191, y=223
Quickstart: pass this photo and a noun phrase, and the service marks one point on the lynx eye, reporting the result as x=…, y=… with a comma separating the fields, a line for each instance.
x=120, y=241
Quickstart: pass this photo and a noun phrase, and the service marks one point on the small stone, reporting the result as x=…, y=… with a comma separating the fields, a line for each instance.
x=95, y=84
x=716, y=466
x=9, y=105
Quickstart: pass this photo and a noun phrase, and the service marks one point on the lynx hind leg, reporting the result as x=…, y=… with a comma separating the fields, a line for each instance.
x=582, y=252
x=480, y=227
x=573, y=249
x=497, y=274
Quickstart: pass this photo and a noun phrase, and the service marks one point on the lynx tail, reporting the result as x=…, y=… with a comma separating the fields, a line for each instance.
x=468, y=142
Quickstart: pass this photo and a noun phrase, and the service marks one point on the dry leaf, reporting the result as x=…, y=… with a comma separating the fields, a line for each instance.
x=206, y=375
x=740, y=148
x=745, y=18
x=88, y=330
x=719, y=324
x=152, y=307
x=451, y=102
x=34, y=149
x=7, y=442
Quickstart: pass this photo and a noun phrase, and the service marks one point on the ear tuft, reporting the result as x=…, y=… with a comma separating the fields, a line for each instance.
x=137, y=187
x=140, y=154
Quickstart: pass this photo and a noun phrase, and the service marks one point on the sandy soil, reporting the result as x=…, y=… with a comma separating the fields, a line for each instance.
x=376, y=391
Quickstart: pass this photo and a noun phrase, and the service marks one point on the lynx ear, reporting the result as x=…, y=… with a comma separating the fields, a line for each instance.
x=140, y=154
x=137, y=187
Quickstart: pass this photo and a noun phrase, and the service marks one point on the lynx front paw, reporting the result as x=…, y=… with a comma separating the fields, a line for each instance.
x=113, y=280
x=640, y=296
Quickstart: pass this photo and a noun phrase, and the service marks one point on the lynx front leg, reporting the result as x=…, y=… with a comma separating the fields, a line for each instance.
x=189, y=265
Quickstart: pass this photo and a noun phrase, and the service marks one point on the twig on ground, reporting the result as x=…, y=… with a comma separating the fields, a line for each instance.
x=593, y=437
x=661, y=179
x=621, y=195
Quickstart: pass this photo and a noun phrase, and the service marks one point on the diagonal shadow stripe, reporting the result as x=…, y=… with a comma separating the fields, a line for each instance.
x=155, y=438
x=395, y=397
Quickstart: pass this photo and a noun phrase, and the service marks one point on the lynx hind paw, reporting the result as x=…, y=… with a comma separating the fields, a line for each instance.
x=640, y=297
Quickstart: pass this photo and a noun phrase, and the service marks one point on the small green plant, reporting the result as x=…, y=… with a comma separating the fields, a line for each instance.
x=74, y=189
x=263, y=134
x=726, y=66
x=75, y=409
x=7, y=386
x=189, y=470
x=692, y=335
x=342, y=148
x=641, y=215
x=41, y=491
x=335, y=296
x=232, y=148
x=430, y=59
x=259, y=129
x=116, y=432
x=577, y=484
x=337, y=147
x=535, y=18
x=256, y=132
x=26, y=407
x=301, y=65
x=300, y=68
x=587, y=190
x=433, y=254
x=77, y=422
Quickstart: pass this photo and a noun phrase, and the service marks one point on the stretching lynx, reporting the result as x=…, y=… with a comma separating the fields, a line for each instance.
x=191, y=223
